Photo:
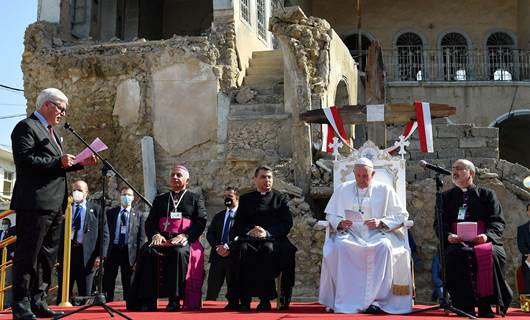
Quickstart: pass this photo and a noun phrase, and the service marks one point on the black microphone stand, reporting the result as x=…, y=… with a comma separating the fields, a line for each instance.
x=107, y=169
x=445, y=303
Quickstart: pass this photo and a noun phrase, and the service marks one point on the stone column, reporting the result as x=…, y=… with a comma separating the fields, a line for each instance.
x=148, y=163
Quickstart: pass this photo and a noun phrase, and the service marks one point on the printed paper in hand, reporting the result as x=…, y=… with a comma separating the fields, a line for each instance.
x=466, y=230
x=354, y=216
x=97, y=145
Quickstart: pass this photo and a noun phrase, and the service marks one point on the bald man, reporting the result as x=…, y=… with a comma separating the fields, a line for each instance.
x=84, y=257
x=175, y=222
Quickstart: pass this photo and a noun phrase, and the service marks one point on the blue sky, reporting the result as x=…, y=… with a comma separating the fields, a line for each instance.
x=15, y=16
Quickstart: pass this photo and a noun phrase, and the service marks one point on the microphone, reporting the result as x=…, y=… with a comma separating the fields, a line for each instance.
x=424, y=164
x=67, y=126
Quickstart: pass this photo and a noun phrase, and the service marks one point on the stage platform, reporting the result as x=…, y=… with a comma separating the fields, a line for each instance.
x=213, y=310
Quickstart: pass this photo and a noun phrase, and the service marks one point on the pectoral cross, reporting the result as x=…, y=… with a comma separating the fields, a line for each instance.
x=166, y=224
x=336, y=145
x=402, y=144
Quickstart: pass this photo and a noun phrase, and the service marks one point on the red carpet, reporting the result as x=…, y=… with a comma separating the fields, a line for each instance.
x=213, y=310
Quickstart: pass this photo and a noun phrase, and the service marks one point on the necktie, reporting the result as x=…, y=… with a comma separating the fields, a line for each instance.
x=76, y=224
x=226, y=228
x=123, y=223
x=52, y=134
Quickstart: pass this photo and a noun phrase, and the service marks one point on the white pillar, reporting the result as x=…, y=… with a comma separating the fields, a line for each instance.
x=148, y=163
x=49, y=10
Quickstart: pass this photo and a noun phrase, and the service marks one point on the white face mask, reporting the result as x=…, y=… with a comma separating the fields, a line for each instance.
x=4, y=227
x=78, y=196
x=126, y=200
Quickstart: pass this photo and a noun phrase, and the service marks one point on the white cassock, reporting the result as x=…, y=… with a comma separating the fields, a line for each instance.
x=370, y=267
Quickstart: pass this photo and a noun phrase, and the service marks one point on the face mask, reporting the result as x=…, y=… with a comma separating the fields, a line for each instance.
x=5, y=227
x=78, y=196
x=126, y=200
x=228, y=202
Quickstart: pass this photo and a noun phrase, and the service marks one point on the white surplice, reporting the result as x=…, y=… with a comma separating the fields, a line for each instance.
x=360, y=269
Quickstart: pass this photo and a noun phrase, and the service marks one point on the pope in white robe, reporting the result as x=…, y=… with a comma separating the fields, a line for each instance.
x=366, y=259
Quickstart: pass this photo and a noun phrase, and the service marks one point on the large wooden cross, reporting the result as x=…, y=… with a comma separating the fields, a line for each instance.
x=394, y=113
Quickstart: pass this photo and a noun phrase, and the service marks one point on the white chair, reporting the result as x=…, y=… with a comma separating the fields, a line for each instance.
x=389, y=169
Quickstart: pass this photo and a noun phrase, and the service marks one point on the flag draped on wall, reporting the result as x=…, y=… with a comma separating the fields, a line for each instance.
x=423, y=114
x=327, y=138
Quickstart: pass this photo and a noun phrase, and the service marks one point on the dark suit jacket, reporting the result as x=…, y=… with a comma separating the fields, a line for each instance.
x=90, y=235
x=137, y=236
x=277, y=219
x=10, y=248
x=214, y=234
x=523, y=240
x=41, y=179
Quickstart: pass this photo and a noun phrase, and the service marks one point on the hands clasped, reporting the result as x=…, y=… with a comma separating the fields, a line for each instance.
x=258, y=232
x=479, y=239
x=159, y=240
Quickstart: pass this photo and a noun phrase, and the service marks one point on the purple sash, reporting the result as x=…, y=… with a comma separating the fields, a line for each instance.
x=195, y=273
x=484, y=255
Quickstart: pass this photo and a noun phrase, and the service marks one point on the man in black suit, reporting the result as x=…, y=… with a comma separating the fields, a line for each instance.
x=262, y=225
x=127, y=236
x=218, y=237
x=523, y=243
x=84, y=257
x=7, y=231
x=39, y=198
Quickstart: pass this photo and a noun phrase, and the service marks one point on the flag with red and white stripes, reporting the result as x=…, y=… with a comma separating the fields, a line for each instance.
x=423, y=114
x=335, y=121
x=327, y=138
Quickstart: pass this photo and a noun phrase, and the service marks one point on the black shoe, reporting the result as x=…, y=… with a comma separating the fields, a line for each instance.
x=373, y=310
x=43, y=311
x=285, y=298
x=22, y=310
x=485, y=312
x=173, y=306
x=148, y=308
x=232, y=306
x=264, y=305
x=244, y=307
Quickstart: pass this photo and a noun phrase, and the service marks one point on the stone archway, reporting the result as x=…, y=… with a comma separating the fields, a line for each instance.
x=514, y=129
x=342, y=96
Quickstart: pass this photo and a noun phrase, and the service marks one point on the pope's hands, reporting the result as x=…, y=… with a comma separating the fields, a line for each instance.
x=373, y=223
x=344, y=224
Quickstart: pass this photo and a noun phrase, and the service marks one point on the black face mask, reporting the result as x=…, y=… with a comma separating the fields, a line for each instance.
x=228, y=202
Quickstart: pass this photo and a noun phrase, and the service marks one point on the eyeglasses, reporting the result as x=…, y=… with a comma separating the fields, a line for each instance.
x=61, y=109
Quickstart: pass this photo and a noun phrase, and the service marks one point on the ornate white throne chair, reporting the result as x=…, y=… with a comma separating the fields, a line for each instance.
x=389, y=169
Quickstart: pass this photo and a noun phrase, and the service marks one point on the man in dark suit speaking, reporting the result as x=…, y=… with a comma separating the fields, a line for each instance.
x=39, y=198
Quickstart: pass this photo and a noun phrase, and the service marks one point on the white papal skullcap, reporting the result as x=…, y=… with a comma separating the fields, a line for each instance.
x=364, y=162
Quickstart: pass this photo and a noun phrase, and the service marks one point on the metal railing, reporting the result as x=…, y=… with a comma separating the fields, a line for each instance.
x=5, y=262
x=456, y=63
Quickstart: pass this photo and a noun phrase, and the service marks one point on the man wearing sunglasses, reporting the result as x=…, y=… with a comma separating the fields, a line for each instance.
x=39, y=199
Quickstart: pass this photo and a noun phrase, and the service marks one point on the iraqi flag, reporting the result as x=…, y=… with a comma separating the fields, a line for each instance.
x=423, y=115
x=335, y=121
x=327, y=138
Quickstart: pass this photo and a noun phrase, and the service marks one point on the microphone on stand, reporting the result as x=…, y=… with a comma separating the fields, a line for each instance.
x=424, y=164
x=67, y=126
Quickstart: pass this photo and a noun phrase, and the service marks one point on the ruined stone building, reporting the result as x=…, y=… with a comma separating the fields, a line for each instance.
x=219, y=85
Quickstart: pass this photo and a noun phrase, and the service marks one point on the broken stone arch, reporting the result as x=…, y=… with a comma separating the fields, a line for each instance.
x=342, y=95
x=514, y=128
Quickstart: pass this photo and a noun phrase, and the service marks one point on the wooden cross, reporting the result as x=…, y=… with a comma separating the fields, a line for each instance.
x=336, y=145
x=402, y=144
